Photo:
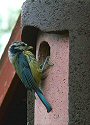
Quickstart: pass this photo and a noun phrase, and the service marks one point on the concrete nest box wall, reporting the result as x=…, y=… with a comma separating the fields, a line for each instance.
x=64, y=28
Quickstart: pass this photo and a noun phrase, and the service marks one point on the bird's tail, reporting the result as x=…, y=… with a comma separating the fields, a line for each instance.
x=44, y=101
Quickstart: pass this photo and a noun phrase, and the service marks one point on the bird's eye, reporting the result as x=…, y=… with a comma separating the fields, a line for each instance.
x=24, y=44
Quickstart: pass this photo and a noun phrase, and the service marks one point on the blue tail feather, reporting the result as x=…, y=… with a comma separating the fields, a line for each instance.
x=44, y=101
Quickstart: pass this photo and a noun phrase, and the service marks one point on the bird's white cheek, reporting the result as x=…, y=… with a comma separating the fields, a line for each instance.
x=11, y=57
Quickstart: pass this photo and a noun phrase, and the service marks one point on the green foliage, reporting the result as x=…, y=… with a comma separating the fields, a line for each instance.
x=6, y=27
x=12, y=18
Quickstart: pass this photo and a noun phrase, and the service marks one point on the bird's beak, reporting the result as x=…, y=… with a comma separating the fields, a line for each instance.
x=26, y=47
x=21, y=47
x=29, y=48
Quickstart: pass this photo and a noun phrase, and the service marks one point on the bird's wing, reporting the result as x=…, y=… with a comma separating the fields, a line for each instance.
x=24, y=72
x=34, y=66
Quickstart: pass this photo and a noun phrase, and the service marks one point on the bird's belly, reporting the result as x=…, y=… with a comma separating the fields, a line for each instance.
x=37, y=73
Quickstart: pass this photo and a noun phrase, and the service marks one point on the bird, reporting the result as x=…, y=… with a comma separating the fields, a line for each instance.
x=28, y=68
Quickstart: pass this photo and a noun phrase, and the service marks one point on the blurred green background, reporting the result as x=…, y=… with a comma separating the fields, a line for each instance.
x=9, y=12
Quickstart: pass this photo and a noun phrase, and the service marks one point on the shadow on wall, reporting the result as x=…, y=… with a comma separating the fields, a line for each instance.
x=29, y=36
x=14, y=108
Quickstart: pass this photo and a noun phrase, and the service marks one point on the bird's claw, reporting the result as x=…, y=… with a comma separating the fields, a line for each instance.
x=48, y=61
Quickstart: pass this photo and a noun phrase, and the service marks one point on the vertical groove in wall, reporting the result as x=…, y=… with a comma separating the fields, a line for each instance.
x=30, y=108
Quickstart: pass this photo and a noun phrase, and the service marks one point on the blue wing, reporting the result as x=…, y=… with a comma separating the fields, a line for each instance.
x=24, y=72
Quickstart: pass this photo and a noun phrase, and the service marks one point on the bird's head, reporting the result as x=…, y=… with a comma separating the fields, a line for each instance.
x=17, y=47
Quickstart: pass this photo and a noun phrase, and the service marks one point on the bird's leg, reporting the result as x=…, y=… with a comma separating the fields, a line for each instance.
x=43, y=66
x=46, y=64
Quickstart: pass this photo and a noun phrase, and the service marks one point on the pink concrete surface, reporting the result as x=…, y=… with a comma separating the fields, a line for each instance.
x=56, y=86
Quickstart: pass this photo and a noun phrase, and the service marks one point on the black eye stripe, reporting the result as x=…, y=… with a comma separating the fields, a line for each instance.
x=13, y=46
x=17, y=45
x=23, y=44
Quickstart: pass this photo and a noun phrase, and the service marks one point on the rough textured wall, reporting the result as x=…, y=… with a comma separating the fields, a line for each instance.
x=55, y=85
x=53, y=15
x=30, y=108
x=74, y=16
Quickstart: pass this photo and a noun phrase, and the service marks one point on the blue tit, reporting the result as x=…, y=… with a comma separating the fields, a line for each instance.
x=28, y=69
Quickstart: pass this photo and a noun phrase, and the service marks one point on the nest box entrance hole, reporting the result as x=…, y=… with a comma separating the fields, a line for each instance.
x=44, y=51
